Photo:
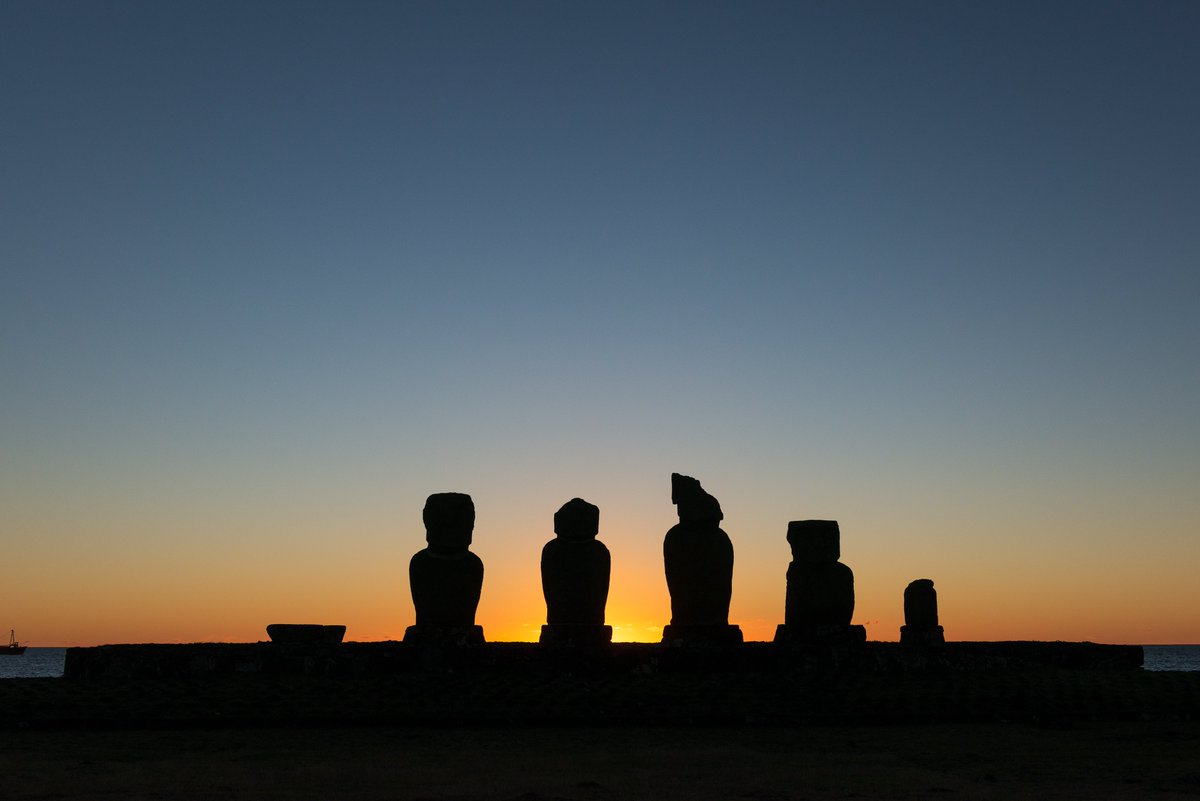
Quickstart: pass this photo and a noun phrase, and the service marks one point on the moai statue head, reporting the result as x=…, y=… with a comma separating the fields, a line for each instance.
x=920, y=604
x=815, y=540
x=577, y=520
x=449, y=520
x=692, y=503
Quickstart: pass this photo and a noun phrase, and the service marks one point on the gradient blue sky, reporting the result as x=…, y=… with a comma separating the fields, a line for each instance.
x=274, y=272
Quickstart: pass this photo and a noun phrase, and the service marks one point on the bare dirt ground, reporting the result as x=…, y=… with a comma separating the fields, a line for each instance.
x=1104, y=760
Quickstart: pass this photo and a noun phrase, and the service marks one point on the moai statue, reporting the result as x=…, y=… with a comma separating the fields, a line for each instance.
x=698, y=557
x=575, y=571
x=921, y=615
x=446, y=578
x=820, y=590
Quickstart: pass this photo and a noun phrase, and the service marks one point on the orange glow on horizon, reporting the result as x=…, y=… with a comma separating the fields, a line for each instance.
x=624, y=630
x=205, y=598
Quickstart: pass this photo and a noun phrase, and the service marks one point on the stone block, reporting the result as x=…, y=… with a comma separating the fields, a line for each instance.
x=576, y=636
x=305, y=634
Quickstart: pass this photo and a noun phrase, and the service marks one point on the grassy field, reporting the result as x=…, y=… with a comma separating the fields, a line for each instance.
x=1111, y=760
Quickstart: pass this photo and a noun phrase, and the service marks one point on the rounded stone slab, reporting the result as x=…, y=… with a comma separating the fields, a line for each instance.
x=576, y=636
x=702, y=635
x=926, y=636
x=305, y=634
x=821, y=636
x=447, y=636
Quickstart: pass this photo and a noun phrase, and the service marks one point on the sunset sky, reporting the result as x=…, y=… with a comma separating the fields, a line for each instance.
x=272, y=273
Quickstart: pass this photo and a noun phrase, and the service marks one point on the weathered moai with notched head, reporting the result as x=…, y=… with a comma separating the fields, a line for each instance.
x=698, y=558
x=575, y=575
x=921, y=615
x=819, y=604
x=446, y=578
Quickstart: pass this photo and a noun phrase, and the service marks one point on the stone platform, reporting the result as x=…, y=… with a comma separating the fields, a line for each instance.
x=123, y=662
x=247, y=685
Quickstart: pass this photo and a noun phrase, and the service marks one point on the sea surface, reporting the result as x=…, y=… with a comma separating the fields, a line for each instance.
x=33, y=664
x=48, y=662
x=1171, y=657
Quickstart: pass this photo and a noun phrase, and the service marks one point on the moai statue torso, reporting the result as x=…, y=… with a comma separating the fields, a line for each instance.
x=819, y=604
x=446, y=578
x=575, y=574
x=698, y=558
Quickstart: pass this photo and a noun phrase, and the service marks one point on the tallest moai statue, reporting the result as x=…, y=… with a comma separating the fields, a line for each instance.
x=698, y=557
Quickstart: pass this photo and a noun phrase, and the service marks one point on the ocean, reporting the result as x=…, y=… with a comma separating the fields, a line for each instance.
x=48, y=662
x=35, y=663
x=1171, y=657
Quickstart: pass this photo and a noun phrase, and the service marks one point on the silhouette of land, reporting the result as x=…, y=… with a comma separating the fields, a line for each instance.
x=508, y=721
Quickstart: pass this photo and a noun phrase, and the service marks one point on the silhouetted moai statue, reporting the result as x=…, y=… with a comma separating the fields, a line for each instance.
x=575, y=571
x=698, y=557
x=921, y=615
x=820, y=590
x=446, y=578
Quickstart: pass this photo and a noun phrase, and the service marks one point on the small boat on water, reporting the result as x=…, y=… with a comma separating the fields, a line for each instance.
x=13, y=648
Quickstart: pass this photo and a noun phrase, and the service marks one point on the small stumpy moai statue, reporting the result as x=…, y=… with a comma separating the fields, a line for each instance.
x=575, y=573
x=698, y=557
x=819, y=604
x=446, y=578
x=921, y=615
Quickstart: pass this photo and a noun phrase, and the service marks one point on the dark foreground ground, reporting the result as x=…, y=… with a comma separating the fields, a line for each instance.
x=563, y=732
x=1104, y=760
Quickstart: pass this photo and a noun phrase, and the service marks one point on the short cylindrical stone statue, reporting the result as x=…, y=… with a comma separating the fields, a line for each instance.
x=819, y=604
x=921, y=615
x=446, y=578
x=575, y=574
x=698, y=558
